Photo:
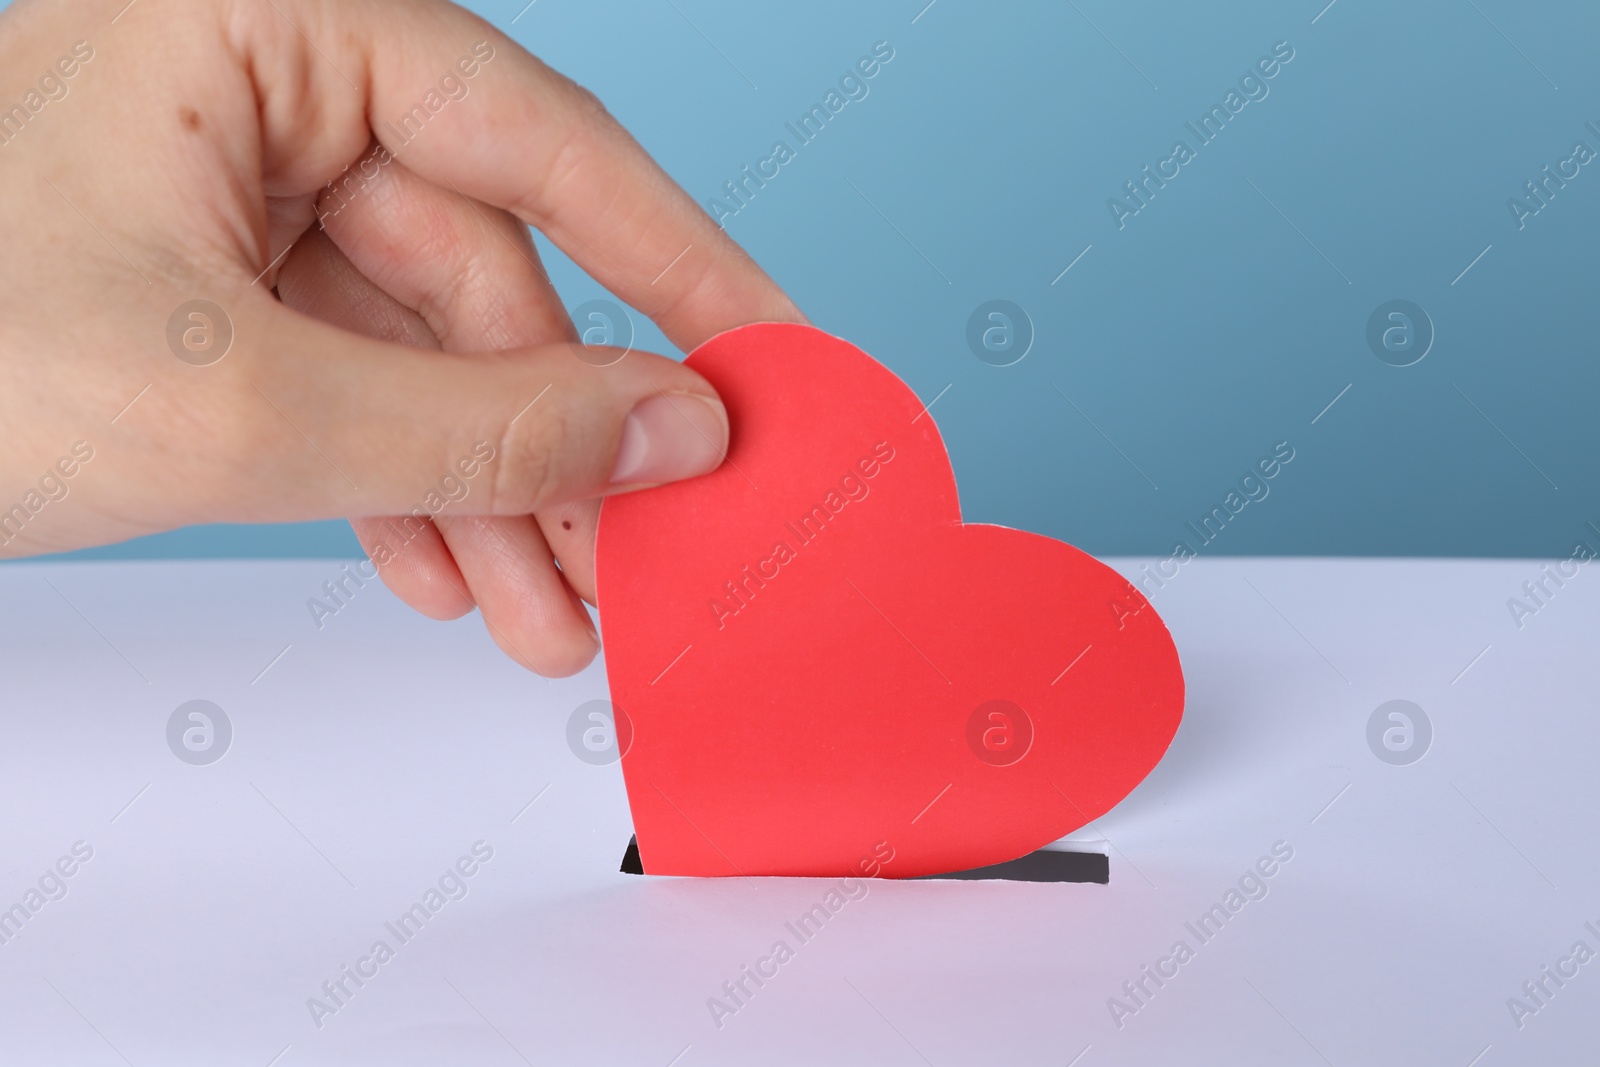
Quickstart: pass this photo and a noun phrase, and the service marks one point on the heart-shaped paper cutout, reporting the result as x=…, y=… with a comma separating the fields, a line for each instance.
x=827, y=673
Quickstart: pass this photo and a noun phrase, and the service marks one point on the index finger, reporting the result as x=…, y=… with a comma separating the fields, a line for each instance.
x=469, y=109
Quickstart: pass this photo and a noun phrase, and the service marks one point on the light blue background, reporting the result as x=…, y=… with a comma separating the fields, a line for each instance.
x=1209, y=328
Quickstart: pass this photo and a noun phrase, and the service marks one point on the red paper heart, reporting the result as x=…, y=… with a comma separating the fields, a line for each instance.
x=827, y=673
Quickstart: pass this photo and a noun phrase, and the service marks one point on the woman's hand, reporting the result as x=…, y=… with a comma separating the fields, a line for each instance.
x=163, y=167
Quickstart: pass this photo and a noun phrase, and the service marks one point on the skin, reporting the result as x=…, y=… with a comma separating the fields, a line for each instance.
x=378, y=336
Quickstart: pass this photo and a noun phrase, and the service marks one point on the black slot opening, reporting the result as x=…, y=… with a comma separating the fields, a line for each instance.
x=1041, y=866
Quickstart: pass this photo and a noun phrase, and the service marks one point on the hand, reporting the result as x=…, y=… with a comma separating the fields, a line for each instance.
x=183, y=150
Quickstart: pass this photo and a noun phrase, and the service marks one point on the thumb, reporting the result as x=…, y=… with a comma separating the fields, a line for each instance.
x=344, y=425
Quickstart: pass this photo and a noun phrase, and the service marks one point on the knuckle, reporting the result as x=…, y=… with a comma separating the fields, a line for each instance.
x=528, y=476
x=593, y=107
x=586, y=103
x=579, y=142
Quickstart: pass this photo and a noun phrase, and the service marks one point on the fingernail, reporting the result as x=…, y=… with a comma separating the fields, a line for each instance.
x=667, y=438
